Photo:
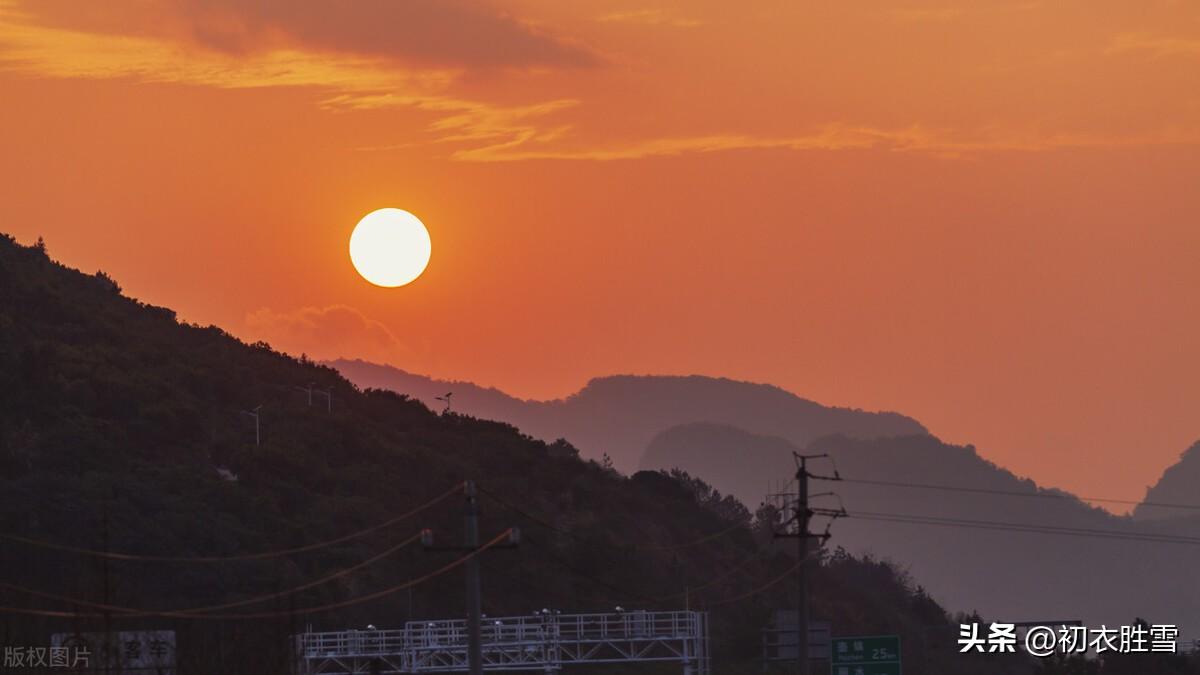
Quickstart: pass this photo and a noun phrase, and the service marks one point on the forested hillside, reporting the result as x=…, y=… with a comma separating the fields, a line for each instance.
x=124, y=431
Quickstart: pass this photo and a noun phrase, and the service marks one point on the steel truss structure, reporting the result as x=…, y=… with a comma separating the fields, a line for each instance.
x=543, y=641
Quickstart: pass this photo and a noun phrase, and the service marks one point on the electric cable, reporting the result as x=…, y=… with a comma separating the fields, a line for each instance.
x=240, y=557
x=1013, y=493
x=765, y=587
x=458, y=562
x=918, y=519
x=551, y=526
x=127, y=613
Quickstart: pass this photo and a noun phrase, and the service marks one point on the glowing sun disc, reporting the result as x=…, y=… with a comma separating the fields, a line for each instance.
x=390, y=247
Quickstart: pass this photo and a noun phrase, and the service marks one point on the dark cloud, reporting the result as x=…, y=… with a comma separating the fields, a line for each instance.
x=454, y=33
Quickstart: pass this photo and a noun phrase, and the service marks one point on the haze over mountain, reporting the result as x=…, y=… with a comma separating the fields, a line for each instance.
x=1017, y=575
x=619, y=415
x=740, y=437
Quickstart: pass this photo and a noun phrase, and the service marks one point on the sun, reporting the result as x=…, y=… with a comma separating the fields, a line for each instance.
x=390, y=247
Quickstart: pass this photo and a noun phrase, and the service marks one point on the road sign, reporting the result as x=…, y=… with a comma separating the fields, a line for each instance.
x=866, y=655
x=779, y=638
x=866, y=669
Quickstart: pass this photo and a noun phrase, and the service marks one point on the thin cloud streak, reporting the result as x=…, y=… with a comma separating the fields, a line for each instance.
x=61, y=53
x=361, y=84
x=832, y=137
x=438, y=33
x=650, y=17
x=1156, y=45
x=480, y=131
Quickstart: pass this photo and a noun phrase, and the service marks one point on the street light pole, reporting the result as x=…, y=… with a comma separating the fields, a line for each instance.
x=257, y=433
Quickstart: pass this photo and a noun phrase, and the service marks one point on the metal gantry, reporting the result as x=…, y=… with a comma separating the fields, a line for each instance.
x=544, y=641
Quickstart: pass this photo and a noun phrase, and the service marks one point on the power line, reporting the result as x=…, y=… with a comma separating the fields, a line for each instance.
x=131, y=613
x=761, y=589
x=714, y=580
x=918, y=519
x=458, y=562
x=637, y=596
x=697, y=542
x=742, y=564
x=1014, y=493
x=667, y=547
x=231, y=558
x=553, y=557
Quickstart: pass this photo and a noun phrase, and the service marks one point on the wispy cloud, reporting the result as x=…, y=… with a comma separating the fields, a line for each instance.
x=650, y=17
x=934, y=14
x=438, y=33
x=351, y=82
x=59, y=52
x=942, y=143
x=327, y=332
x=954, y=12
x=462, y=127
x=1155, y=45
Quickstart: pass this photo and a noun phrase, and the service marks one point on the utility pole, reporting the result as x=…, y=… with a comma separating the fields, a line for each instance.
x=474, y=602
x=474, y=592
x=108, y=641
x=801, y=517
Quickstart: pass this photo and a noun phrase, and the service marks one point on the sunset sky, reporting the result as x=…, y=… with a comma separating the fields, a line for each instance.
x=984, y=214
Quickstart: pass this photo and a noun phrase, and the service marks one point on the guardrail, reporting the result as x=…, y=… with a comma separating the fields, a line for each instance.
x=541, y=641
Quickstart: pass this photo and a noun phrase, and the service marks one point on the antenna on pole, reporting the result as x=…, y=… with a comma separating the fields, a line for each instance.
x=445, y=399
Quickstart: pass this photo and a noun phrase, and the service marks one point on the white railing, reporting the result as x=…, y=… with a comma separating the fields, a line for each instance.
x=541, y=641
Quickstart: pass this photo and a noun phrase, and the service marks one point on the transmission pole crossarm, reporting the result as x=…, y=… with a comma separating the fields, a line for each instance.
x=474, y=651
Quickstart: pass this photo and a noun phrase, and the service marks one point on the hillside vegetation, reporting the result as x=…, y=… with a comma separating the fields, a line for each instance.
x=122, y=430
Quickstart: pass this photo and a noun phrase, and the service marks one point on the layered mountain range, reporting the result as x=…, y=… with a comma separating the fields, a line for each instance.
x=976, y=535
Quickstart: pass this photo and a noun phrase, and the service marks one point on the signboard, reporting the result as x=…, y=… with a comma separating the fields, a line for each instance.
x=866, y=655
x=780, y=638
x=147, y=652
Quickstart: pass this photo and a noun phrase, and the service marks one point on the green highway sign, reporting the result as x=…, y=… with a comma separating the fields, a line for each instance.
x=866, y=669
x=866, y=655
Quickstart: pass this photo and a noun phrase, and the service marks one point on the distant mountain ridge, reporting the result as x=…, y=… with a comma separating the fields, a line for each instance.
x=619, y=415
x=992, y=569
x=1179, y=484
x=740, y=436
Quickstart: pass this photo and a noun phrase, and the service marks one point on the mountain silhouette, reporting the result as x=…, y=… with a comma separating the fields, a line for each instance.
x=1179, y=484
x=125, y=431
x=1020, y=576
x=620, y=414
x=740, y=438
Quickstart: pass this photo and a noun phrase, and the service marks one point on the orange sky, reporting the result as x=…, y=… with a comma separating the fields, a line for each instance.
x=984, y=214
